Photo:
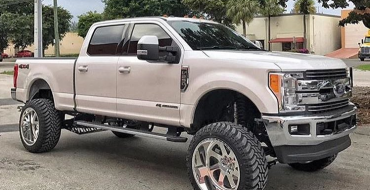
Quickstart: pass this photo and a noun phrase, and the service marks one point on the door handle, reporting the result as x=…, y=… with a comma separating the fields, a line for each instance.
x=83, y=68
x=124, y=69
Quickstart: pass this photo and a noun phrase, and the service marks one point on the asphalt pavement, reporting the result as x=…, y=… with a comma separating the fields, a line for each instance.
x=102, y=161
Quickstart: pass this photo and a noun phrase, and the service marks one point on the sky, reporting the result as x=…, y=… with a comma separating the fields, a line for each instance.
x=79, y=7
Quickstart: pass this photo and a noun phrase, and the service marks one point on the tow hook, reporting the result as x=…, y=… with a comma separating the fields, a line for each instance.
x=271, y=163
x=20, y=108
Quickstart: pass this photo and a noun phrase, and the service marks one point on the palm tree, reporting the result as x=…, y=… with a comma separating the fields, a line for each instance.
x=242, y=10
x=305, y=7
x=270, y=8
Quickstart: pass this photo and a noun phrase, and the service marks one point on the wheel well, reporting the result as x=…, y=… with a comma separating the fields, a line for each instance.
x=224, y=105
x=40, y=89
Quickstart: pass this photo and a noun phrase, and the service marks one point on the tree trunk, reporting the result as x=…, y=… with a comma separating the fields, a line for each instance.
x=244, y=29
x=269, y=32
x=304, y=32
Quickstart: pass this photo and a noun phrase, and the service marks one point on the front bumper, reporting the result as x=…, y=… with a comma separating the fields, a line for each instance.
x=363, y=55
x=302, y=148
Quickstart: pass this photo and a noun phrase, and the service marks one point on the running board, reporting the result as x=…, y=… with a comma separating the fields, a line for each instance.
x=137, y=132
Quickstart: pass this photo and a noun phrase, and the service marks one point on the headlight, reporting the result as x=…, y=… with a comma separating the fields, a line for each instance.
x=284, y=86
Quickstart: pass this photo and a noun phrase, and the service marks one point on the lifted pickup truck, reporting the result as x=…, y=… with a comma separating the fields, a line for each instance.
x=241, y=103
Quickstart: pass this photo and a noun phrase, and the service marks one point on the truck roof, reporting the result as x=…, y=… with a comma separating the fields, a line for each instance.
x=156, y=18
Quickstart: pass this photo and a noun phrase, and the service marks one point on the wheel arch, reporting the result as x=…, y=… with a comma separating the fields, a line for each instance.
x=225, y=95
x=39, y=88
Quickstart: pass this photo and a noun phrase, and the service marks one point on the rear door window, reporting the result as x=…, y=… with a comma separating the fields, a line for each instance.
x=106, y=40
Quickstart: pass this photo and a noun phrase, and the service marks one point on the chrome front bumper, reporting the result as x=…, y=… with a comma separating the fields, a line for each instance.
x=277, y=128
x=290, y=148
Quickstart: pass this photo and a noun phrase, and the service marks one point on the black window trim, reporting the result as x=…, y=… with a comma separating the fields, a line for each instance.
x=125, y=29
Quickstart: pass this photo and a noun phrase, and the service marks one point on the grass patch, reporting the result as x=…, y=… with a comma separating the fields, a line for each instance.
x=364, y=67
x=7, y=73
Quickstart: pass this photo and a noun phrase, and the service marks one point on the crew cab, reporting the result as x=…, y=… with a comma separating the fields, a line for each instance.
x=239, y=102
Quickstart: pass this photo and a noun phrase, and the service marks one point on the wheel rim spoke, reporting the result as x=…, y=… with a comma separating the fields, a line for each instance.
x=221, y=179
x=215, y=166
x=30, y=126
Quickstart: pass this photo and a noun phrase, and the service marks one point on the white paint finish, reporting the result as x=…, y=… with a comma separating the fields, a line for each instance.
x=50, y=70
x=63, y=101
x=228, y=70
x=148, y=111
x=152, y=82
x=105, y=106
x=98, y=84
x=353, y=34
x=103, y=89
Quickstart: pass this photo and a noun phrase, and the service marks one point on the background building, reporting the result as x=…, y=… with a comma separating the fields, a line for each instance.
x=71, y=44
x=287, y=32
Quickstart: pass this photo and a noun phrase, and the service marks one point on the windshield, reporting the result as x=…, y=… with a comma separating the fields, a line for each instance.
x=367, y=40
x=205, y=36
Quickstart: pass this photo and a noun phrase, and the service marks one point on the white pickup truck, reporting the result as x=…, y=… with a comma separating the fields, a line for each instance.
x=241, y=103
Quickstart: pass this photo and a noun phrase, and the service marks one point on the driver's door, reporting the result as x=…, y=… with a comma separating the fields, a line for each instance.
x=148, y=90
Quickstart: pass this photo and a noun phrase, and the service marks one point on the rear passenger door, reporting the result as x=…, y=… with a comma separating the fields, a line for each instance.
x=96, y=73
x=148, y=90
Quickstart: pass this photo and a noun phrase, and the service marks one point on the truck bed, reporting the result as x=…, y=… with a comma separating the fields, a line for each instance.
x=32, y=70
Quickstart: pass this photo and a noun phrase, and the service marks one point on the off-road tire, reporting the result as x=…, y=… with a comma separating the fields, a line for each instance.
x=248, y=151
x=50, y=125
x=314, y=165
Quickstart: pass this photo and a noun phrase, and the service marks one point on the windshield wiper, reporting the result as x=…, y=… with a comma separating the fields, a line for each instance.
x=252, y=49
x=216, y=47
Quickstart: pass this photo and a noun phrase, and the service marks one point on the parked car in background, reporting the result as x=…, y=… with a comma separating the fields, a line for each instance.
x=24, y=53
x=4, y=55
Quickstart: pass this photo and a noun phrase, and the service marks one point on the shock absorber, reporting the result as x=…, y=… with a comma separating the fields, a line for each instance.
x=241, y=111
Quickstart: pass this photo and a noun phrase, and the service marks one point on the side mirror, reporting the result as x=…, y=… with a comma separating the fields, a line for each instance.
x=362, y=41
x=258, y=44
x=148, y=48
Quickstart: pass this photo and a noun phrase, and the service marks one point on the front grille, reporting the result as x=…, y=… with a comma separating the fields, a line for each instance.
x=323, y=107
x=325, y=74
x=365, y=50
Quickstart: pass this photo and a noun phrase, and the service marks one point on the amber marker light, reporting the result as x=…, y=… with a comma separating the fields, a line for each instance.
x=275, y=86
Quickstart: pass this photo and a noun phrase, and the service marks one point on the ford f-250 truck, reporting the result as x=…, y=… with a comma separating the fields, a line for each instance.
x=241, y=103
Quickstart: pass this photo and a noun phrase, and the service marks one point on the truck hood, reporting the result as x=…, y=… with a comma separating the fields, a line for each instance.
x=286, y=61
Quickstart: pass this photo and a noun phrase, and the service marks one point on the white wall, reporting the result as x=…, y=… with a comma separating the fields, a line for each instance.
x=256, y=29
x=324, y=34
x=354, y=33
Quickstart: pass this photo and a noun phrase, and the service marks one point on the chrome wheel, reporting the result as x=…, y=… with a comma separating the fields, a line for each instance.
x=215, y=165
x=30, y=126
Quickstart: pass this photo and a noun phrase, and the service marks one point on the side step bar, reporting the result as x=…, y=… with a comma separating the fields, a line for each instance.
x=137, y=132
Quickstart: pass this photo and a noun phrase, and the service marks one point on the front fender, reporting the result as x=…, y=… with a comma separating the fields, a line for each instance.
x=252, y=84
